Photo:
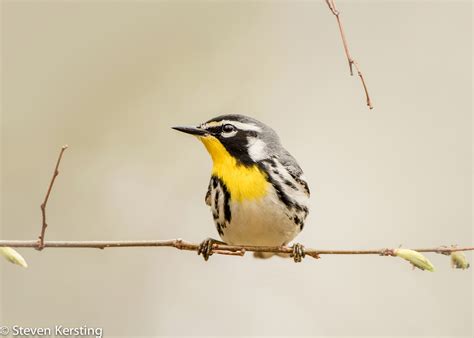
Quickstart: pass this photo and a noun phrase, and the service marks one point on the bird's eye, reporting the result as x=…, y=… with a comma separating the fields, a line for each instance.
x=228, y=128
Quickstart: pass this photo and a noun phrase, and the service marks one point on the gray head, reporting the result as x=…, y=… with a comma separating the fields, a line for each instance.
x=249, y=141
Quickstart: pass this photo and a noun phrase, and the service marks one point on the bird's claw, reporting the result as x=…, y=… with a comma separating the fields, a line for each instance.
x=298, y=252
x=205, y=248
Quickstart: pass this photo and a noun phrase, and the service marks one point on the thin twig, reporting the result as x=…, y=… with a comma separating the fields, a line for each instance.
x=332, y=7
x=222, y=249
x=40, y=243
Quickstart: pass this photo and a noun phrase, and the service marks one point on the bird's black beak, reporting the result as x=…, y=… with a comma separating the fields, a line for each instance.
x=191, y=130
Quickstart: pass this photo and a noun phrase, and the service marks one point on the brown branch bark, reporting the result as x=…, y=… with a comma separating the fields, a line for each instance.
x=332, y=7
x=222, y=249
x=44, y=224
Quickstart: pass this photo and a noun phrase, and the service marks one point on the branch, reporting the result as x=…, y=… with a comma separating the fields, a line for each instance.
x=40, y=242
x=458, y=259
x=332, y=7
x=223, y=249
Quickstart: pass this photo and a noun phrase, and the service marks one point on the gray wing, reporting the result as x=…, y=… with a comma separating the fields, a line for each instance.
x=294, y=169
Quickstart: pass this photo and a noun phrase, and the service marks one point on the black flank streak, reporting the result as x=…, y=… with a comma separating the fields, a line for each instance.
x=220, y=188
x=219, y=228
x=216, y=204
x=227, y=213
x=216, y=199
x=298, y=221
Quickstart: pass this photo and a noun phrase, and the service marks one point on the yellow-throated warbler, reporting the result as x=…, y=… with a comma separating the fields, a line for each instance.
x=257, y=193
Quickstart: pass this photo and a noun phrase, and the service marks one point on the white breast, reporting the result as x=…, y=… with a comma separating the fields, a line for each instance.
x=265, y=221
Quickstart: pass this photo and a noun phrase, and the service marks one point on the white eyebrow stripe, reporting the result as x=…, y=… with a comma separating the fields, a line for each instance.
x=244, y=126
x=211, y=124
x=238, y=125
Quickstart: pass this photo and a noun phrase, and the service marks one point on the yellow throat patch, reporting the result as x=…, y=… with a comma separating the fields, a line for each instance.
x=243, y=182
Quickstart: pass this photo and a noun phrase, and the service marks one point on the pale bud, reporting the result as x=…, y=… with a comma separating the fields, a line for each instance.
x=459, y=260
x=13, y=256
x=415, y=258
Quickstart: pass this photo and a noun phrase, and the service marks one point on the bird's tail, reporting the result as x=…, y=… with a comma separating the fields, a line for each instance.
x=266, y=255
x=263, y=255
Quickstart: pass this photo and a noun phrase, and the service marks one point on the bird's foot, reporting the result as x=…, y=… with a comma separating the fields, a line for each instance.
x=298, y=252
x=205, y=248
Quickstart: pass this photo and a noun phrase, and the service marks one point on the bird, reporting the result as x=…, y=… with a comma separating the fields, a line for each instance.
x=258, y=194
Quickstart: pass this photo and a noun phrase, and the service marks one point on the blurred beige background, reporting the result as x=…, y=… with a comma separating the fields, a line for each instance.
x=110, y=78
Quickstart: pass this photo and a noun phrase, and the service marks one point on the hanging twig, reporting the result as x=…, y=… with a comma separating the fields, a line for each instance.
x=44, y=224
x=332, y=6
